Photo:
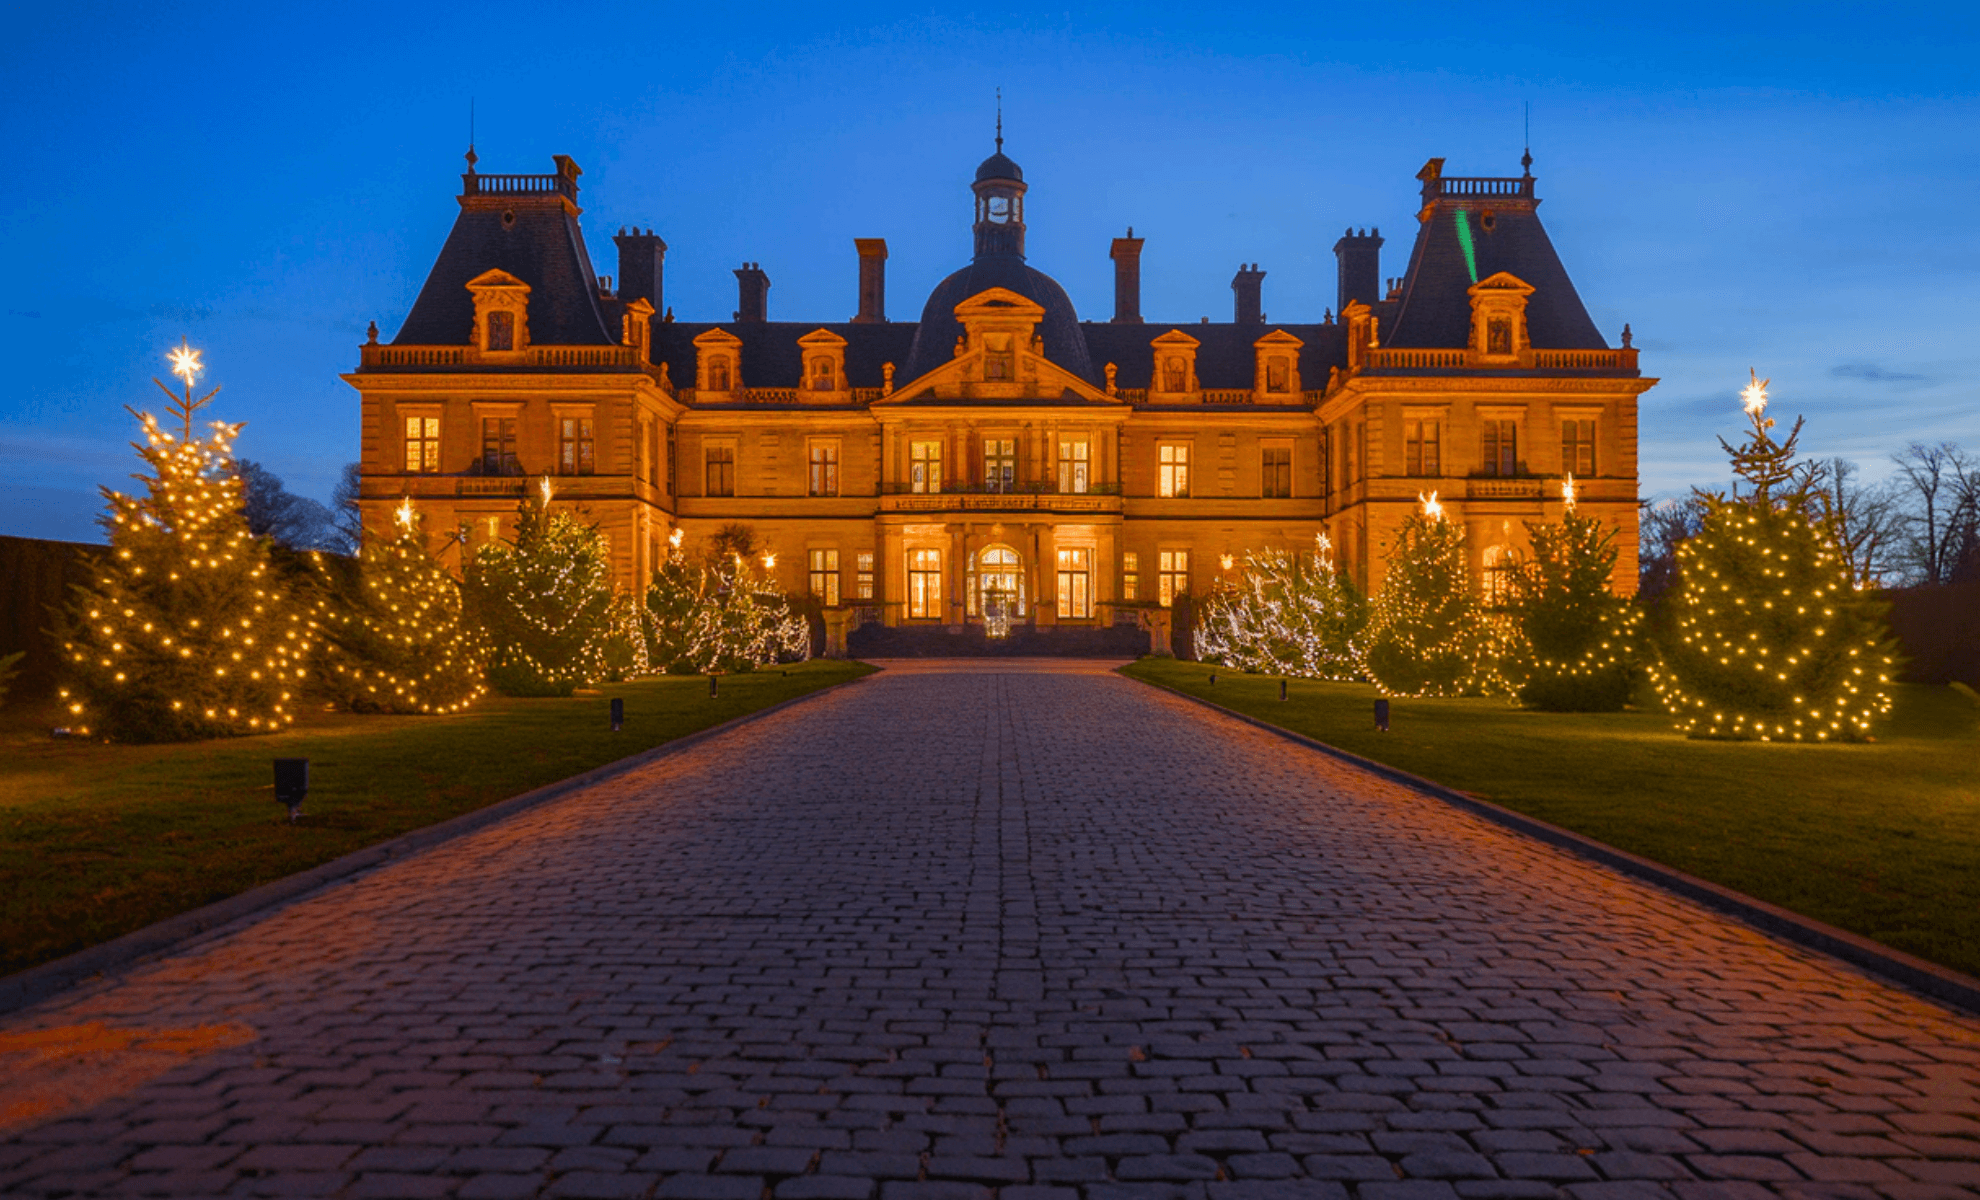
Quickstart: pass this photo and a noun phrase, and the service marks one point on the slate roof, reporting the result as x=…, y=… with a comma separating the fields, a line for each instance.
x=771, y=356
x=1436, y=309
x=1224, y=359
x=544, y=248
x=935, y=340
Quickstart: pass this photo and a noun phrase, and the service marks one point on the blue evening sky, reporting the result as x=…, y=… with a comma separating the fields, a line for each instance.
x=1791, y=188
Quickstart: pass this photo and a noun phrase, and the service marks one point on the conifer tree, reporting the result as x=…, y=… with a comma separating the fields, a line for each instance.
x=1427, y=635
x=1285, y=616
x=188, y=631
x=1578, y=641
x=1768, y=639
x=395, y=638
x=542, y=601
x=717, y=614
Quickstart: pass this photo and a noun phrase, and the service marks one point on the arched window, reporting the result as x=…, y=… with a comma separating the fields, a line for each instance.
x=997, y=587
x=1497, y=583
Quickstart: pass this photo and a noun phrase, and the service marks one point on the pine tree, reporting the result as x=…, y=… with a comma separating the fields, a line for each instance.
x=395, y=638
x=1285, y=616
x=188, y=632
x=542, y=601
x=1427, y=635
x=717, y=614
x=1578, y=641
x=1768, y=639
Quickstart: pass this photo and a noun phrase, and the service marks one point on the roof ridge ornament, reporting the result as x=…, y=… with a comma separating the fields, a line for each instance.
x=1000, y=120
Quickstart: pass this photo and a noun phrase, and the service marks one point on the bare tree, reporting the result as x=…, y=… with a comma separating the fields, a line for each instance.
x=346, y=522
x=1940, y=491
x=273, y=510
x=1660, y=530
x=1862, y=519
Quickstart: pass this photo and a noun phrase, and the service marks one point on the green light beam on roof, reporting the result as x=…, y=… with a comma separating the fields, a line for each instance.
x=1464, y=240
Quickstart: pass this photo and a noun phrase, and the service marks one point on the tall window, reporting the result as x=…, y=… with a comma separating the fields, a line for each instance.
x=501, y=331
x=1498, y=575
x=924, y=583
x=863, y=575
x=575, y=446
x=1578, y=447
x=422, y=445
x=1278, y=373
x=1130, y=576
x=1420, y=449
x=498, y=446
x=999, y=464
x=1076, y=583
x=1173, y=458
x=925, y=467
x=1275, y=472
x=1175, y=376
x=1172, y=579
x=824, y=468
x=1498, y=336
x=721, y=480
x=822, y=375
x=825, y=576
x=1074, y=465
x=718, y=373
x=1501, y=448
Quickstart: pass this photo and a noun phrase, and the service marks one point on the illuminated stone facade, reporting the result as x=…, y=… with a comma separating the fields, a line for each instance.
x=1000, y=456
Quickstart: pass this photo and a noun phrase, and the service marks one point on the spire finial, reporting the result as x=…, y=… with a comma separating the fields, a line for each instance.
x=472, y=158
x=1000, y=120
x=1526, y=158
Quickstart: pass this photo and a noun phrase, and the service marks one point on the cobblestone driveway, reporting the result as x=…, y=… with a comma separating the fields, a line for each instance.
x=942, y=934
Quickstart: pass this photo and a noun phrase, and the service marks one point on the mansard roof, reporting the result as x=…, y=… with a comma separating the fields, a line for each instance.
x=1225, y=353
x=537, y=242
x=772, y=357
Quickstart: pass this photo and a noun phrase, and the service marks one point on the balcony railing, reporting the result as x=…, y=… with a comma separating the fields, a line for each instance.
x=475, y=184
x=1459, y=187
x=981, y=501
x=1448, y=359
x=534, y=356
x=1418, y=359
x=1042, y=487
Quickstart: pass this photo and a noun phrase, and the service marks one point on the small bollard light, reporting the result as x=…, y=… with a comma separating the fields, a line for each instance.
x=1213, y=679
x=291, y=784
x=714, y=685
x=1282, y=689
x=618, y=713
x=1382, y=715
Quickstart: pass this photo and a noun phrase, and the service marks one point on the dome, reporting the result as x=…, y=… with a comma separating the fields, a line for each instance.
x=935, y=339
x=999, y=166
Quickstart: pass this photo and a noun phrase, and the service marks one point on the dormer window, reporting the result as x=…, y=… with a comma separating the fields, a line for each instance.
x=1278, y=373
x=501, y=331
x=1278, y=364
x=824, y=356
x=1175, y=375
x=718, y=373
x=718, y=362
x=1175, y=364
x=1499, y=336
x=821, y=373
x=1498, y=317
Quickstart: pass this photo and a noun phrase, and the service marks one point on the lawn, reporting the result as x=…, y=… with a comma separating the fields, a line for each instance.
x=99, y=840
x=1882, y=839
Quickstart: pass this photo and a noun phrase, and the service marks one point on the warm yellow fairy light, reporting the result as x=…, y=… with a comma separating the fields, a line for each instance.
x=769, y=560
x=1226, y=561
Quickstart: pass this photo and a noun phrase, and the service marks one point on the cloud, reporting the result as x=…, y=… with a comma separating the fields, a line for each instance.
x=1872, y=373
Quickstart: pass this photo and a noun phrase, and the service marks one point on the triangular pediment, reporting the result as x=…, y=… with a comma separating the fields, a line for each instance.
x=1278, y=339
x=1502, y=282
x=496, y=278
x=999, y=304
x=717, y=336
x=821, y=339
x=1175, y=339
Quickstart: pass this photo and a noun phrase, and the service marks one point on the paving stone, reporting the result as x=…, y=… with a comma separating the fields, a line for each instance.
x=1052, y=933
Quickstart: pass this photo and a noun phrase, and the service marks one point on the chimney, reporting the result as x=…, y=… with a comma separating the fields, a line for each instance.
x=752, y=293
x=1248, y=287
x=1127, y=278
x=1360, y=258
x=872, y=281
x=641, y=256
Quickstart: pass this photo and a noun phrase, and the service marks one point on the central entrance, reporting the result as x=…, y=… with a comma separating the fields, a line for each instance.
x=996, y=589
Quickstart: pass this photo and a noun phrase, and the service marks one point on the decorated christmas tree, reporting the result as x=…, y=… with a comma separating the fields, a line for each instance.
x=1285, y=616
x=1767, y=638
x=675, y=610
x=542, y=601
x=394, y=636
x=1578, y=642
x=1427, y=634
x=187, y=632
x=717, y=614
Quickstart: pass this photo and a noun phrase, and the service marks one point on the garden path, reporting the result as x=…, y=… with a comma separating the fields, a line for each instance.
x=952, y=930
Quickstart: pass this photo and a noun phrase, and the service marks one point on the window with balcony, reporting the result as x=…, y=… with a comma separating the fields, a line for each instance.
x=1578, y=446
x=422, y=445
x=824, y=468
x=1075, y=465
x=575, y=446
x=1130, y=576
x=824, y=576
x=863, y=575
x=925, y=467
x=1075, y=583
x=1275, y=472
x=1501, y=447
x=999, y=464
x=1172, y=577
x=1421, y=451
x=1172, y=459
x=721, y=473
x=498, y=446
x=924, y=579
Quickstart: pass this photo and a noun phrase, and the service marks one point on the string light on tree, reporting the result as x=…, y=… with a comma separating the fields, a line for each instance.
x=542, y=601
x=1427, y=635
x=1769, y=639
x=1576, y=642
x=187, y=631
x=1284, y=616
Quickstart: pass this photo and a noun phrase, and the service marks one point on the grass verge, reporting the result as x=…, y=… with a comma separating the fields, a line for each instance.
x=1882, y=839
x=96, y=840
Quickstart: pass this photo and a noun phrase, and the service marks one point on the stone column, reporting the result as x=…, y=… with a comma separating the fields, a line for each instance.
x=891, y=567
x=957, y=573
x=1046, y=541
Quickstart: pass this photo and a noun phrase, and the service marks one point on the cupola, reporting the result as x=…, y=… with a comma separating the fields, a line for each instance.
x=999, y=189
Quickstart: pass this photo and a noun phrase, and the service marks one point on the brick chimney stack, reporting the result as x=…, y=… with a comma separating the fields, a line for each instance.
x=1126, y=254
x=752, y=294
x=641, y=259
x=1248, y=287
x=1360, y=258
x=872, y=281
